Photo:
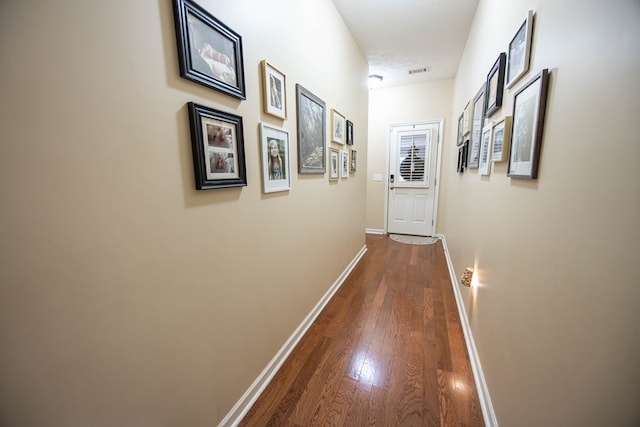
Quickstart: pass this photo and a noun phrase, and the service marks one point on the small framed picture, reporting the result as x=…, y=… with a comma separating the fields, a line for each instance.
x=500, y=139
x=484, y=167
x=495, y=85
x=477, y=121
x=466, y=119
x=353, y=161
x=519, y=51
x=529, y=105
x=276, y=173
x=274, y=93
x=209, y=52
x=311, y=132
x=344, y=170
x=334, y=164
x=349, y=132
x=217, y=142
x=460, y=139
x=338, y=127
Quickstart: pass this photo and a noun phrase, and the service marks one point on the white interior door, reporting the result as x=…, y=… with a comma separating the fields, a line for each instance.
x=413, y=151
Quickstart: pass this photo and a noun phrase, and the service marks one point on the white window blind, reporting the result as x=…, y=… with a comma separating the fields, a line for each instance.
x=413, y=158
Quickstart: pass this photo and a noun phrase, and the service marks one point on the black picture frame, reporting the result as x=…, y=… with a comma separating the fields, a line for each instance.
x=312, y=124
x=495, y=85
x=527, y=127
x=209, y=52
x=217, y=142
x=349, y=132
x=477, y=122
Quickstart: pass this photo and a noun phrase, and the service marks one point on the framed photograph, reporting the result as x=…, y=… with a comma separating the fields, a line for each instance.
x=459, y=167
x=529, y=105
x=495, y=85
x=209, y=52
x=338, y=127
x=353, y=161
x=217, y=142
x=274, y=93
x=276, y=172
x=334, y=164
x=484, y=168
x=477, y=121
x=349, y=132
x=519, y=51
x=344, y=163
x=500, y=139
x=311, y=118
x=466, y=119
x=460, y=139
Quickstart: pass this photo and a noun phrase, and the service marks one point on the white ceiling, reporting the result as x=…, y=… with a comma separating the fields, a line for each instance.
x=397, y=36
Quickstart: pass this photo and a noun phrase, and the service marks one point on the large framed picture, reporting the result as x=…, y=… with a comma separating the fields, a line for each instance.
x=477, y=121
x=274, y=143
x=344, y=170
x=334, y=164
x=349, y=132
x=484, y=167
x=529, y=105
x=209, y=52
x=519, y=51
x=311, y=131
x=500, y=140
x=495, y=85
x=274, y=93
x=217, y=142
x=338, y=127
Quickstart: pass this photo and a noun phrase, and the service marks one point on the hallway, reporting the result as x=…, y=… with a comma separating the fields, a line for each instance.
x=387, y=350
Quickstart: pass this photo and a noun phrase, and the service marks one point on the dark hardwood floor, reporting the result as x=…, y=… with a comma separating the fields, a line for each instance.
x=387, y=350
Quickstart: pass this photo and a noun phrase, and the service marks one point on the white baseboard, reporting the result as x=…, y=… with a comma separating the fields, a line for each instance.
x=488, y=413
x=254, y=391
x=374, y=231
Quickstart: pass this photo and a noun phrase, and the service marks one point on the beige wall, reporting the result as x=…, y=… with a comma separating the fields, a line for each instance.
x=126, y=296
x=555, y=317
x=401, y=104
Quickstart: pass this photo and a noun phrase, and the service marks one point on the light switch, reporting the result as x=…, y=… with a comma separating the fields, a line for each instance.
x=376, y=177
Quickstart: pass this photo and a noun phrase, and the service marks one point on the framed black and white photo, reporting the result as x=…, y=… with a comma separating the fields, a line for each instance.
x=495, y=85
x=529, y=105
x=484, y=167
x=519, y=51
x=209, y=52
x=311, y=117
x=354, y=159
x=344, y=163
x=477, y=121
x=466, y=119
x=349, y=132
x=276, y=173
x=338, y=127
x=334, y=164
x=460, y=139
x=217, y=142
x=500, y=140
x=274, y=93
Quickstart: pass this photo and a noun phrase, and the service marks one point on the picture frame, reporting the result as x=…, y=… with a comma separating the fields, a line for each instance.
x=519, y=51
x=338, y=127
x=500, y=139
x=484, y=166
x=217, y=142
x=209, y=52
x=495, y=85
x=311, y=121
x=334, y=164
x=477, y=122
x=349, y=132
x=344, y=164
x=354, y=159
x=276, y=170
x=274, y=91
x=460, y=139
x=529, y=106
x=466, y=119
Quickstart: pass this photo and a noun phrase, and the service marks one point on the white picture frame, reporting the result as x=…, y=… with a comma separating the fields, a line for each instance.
x=338, y=127
x=334, y=164
x=519, y=52
x=484, y=162
x=276, y=170
x=344, y=164
x=501, y=139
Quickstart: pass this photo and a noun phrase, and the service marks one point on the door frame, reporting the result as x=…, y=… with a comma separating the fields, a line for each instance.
x=436, y=185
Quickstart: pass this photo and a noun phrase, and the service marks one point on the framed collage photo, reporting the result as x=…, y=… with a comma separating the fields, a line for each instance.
x=334, y=164
x=500, y=140
x=338, y=127
x=529, y=105
x=495, y=86
x=349, y=132
x=209, y=52
x=311, y=118
x=217, y=142
x=274, y=146
x=477, y=121
x=274, y=91
x=519, y=51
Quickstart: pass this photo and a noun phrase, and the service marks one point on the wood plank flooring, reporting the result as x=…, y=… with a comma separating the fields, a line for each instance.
x=387, y=350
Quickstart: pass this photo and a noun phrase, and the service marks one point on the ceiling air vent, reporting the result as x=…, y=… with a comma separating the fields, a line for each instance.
x=419, y=70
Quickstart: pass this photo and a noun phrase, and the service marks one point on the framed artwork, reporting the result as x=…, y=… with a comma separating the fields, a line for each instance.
x=459, y=167
x=353, y=161
x=495, y=85
x=338, y=127
x=217, y=142
x=274, y=93
x=349, y=132
x=466, y=119
x=529, y=105
x=276, y=173
x=344, y=163
x=209, y=52
x=477, y=121
x=519, y=51
x=500, y=139
x=484, y=167
x=311, y=119
x=334, y=163
x=460, y=139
